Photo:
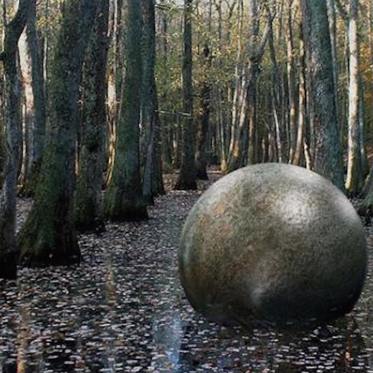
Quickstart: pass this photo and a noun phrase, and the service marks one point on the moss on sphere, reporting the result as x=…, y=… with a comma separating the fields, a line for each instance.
x=273, y=242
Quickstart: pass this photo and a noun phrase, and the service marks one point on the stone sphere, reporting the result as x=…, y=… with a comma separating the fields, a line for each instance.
x=273, y=242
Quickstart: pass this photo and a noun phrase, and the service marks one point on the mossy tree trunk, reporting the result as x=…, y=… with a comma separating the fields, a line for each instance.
x=187, y=176
x=48, y=236
x=88, y=202
x=328, y=156
x=8, y=247
x=124, y=198
x=153, y=180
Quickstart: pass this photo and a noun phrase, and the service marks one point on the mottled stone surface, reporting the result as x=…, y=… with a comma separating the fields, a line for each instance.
x=272, y=242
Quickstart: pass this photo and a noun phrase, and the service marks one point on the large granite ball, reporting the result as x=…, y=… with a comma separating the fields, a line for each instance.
x=273, y=242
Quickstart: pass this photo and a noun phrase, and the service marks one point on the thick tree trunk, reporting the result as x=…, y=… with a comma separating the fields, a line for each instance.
x=88, y=209
x=48, y=236
x=187, y=176
x=124, y=198
x=327, y=157
x=8, y=247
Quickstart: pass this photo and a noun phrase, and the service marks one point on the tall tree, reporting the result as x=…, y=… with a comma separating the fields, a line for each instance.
x=187, y=175
x=244, y=109
x=291, y=75
x=327, y=157
x=153, y=181
x=354, y=174
x=88, y=206
x=48, y=236
x=124, y=198
x=8, y=249
x=31, y=61
x=203, y=116
x=331, y=7
x=302, y=104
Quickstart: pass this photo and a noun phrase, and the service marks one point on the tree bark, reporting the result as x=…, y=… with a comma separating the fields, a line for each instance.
x=291, y=82
x=333, y=40
x=203, y=118
x=8, y=246
x=187, y=176
x=31, y=59
x=49, y=236
x=88, y=201
x=354, y=175
x=150, y=122
x=327, y=157
x=124, y=198
x=302, y=105
x=244, y=120
x=366, y=207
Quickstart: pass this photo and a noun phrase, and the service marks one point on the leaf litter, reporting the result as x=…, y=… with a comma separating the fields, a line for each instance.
x=123, y=310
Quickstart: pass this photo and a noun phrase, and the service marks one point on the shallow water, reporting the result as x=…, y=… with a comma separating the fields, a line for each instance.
x=123, y=310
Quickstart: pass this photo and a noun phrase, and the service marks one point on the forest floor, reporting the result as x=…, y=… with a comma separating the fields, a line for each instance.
x=123, y=310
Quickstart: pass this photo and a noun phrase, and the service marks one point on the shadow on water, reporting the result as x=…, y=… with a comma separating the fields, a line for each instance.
x=123, y=310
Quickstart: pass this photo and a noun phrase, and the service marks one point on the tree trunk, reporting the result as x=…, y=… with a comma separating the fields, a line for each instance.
x=187, y=176
x=88, y=209
x=243, y=141
x=48, y=236
x=150, y=122
x=291, y=83
x=366, y=208
x=327, y=157
x=354, y=175
x=333, y=41
x=302, y=105
x=8, y=247
x=362, y=124
x=124, y=198
x=203, y=118
x=31, y=59
x=166, y=130
x=276, y=94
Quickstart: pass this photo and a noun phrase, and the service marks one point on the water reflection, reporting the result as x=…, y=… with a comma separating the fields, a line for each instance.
x=167, y=337
x=123, y=310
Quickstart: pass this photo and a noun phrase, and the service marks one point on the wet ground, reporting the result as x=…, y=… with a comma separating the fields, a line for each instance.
x=123, y=310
